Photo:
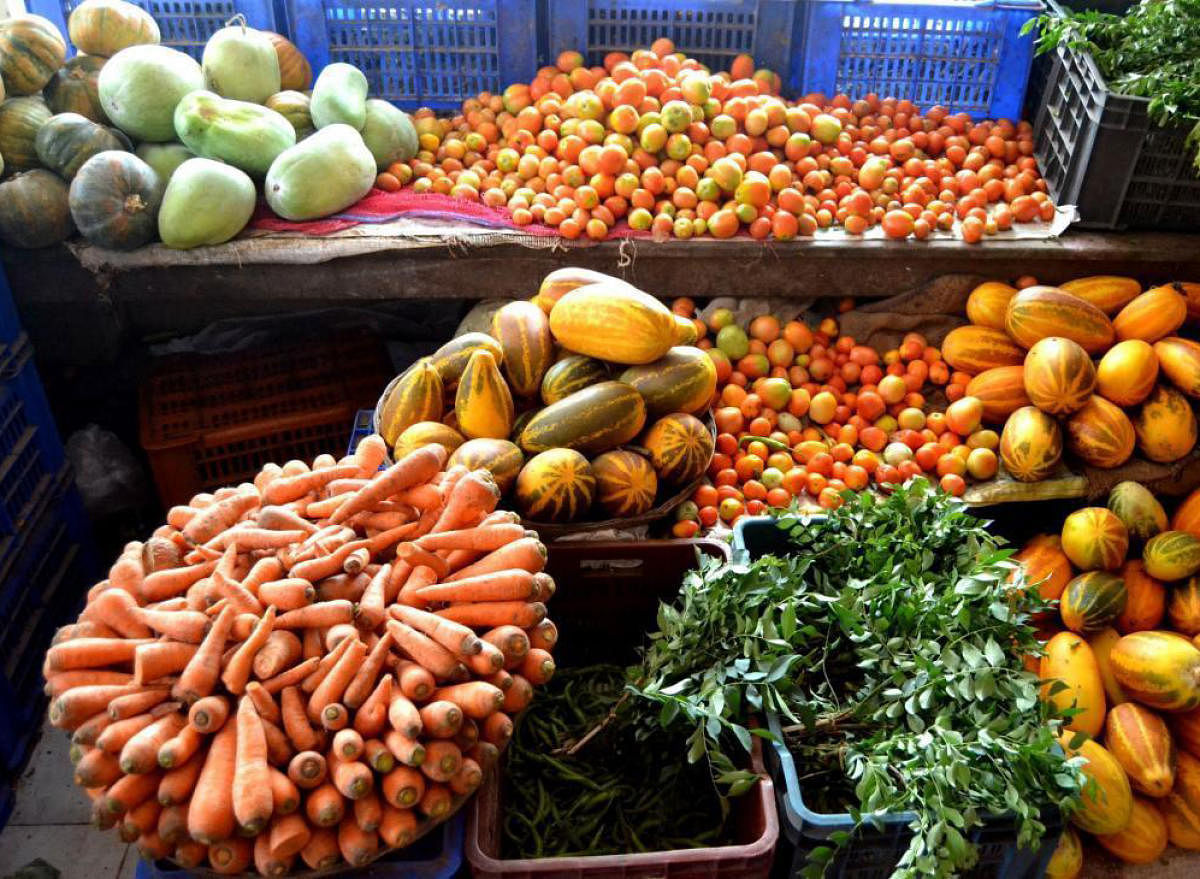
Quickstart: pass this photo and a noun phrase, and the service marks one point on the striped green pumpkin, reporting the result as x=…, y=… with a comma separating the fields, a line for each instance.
x=31, y=50
x=593, y=420
x=1092, y=601
x=74, y=89
x=20, y=121
x=1172, y=555
x=573, y=373
x=683, y=380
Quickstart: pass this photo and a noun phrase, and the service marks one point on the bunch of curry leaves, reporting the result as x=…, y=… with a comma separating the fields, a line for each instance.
x=891, y=639
x=1153, y=51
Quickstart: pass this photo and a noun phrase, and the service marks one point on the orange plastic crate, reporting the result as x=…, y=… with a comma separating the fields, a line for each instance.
x=206, y=422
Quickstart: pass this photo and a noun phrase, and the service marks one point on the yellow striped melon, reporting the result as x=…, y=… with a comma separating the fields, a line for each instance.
x=483, y=404
x=523, y=331
x=613, y=322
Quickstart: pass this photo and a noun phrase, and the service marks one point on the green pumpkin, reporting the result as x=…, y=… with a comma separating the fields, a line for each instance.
x=34, y=210
x=75, y=88
x=20, y=121
x=31, y=50
x=114, y=200
x=293, y=106
x=68, y=140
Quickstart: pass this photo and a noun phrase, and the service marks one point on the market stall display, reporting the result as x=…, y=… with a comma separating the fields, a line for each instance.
x=343, y=638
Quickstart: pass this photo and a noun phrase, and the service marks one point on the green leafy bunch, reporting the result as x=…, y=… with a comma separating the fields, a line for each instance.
x=890, y=638
x=1153, y=51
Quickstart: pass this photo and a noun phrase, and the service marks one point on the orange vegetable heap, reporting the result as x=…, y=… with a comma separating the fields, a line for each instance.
x=655, y=139
x=320, y=665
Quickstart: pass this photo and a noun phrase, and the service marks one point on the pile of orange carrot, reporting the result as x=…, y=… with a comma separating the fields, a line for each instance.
x=305, y=671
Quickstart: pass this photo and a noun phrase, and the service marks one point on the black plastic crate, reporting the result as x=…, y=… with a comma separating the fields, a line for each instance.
x=1101, y=151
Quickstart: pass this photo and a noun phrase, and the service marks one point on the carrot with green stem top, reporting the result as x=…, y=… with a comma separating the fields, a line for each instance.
x=397, y=827
x=487, y=662
x=181, y=747
x=152, y=847
x=237, y=672
x=133, y=704
x=264, y=703
x=416, y=682
x=368, y=812
x=408, y=751
x=307, y=769
x=537, y=666
x=357, y=846
x=363, y=682
x=285, y=795
x=177, y=784
x=439, y=661
x=190, y=854
x=544, y=635
x=97, y=768
x=497, y=729
x=477, y=699
x=325, y=806
x=230, y=856
x=468, y=778
x=467, y=735
x=352, y=778
x=295, y=720
x=348, y=744
x=208, y=715
x=280, y=652
x=371, y=717
x=528, y=554
x=88, y=731
x=403, y=787
x=172, y=823
x=458, y=639
x=378, y=757
x=75, y=706
x=288, y=834
x=129, y=791
x=436, y=802
x=322, y=851
x=293, y=676
x=413, y=469
x=200, y=676
x=483, y=614
x=252, y=801
x=442, y=760
x=332, y=688
x=335, y=717
x=441, y=719
x=141, y=819
x=174, y=581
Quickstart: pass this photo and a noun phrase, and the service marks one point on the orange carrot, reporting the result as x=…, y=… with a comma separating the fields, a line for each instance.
x=471, y=498
x=293, y=676
x=443, y=759
x=219, y=517
x=368, y=812
x=426, y=652
x=264, y=570
x=287, y=594
x=538, y=666
x=230, y=856
x=180, y=748
x=285, y=794
x=467, y=735
x=415, y=680
x=495, y=613
x=92, y=653
x=415, y=555
x=398, y=827
x=544, y=635
x=318, y=569
x=295, y=720
x=485, y=754
x=501, y=679
x=288, y=835
x=129, y=791
x=237, y=672
x=403, y=787
x=371, y=716
x=357, y=846
x=252, y=799
x=243, y=625
x=414, y=468
x=480, y=539
x=177, y=784
x=363, y=682
x=325, y=806
x=77, y=705
x=208, y=715
x=204, y=668
x=335, y=717
x=279, y=749
x=333, y=686
x=97, y=768
x=190, y=854
x=511, y=585
x=210, y=815
x=400, y=530
x=378, y=757
x=403, y=716
x=436, y=802
x=518, y=697
x=119, y=732
x=441, y=719
x=371, y=610
x=468, y=778
x=127, y=573
x=83, y=629
x=401, y=572
x=320, y=615
x=528, y=553
x=357, y=560
x=322, y=851
x=477, y=699
x=277, y=518
x=291, y=488
x=420, y=577
x=488, y=661
x=174, y=581
x=233, y=591
x=88, y=731
x=172, y=823
x=281, y=651
x=267, y=863
x=348, y=744
x=497, y=729
x=264, y=703
x=117, y=609
x=343, y=587
x=335, y=635
x=370, y=454
x=408, y=751
x=352, y=778
x=133, y=704
x=458, y=639
x=307, y=769
x=142, y=818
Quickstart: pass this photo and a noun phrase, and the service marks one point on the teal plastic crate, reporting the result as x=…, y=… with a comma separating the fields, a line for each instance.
x=967, y=56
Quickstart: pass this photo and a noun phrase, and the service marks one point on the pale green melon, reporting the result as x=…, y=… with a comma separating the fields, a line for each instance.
x=245, y=135
x=388, y=133
x=164, y=158
x=140, y=87
x=241, y=63
x=206, y=202
x=340, y=95
x=321, y=175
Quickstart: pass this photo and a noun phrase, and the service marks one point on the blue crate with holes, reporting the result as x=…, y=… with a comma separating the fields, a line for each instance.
x=436, y=855
x=967, y=56
x=421, y=54
x=19, y=376
x=362, y=428
x=713, y=32
x=185, y=25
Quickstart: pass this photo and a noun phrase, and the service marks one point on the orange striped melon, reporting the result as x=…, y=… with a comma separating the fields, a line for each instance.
x=1045, y=565
x=1094, y=539
x=625, y=483
x=425, y=433
x=483, y=404
x=498, y=456
x=1179, y=359
x=1059, y=376
x=1106, y=805
x=1183, y=610
x=523, y=331
x=1158, y=312
x=1127, y=372
x=573, y=373
x=1139, y=740
x=1067, y=860
x=1140, y=510
x=1145, y=599
x=684, y=380
x=31, y=51
x=1038, y=312
x=1183, y=822
x=1102, y=644
x=1101, y=434
x=556, y=486
x=1172, y=555
x=1144, y=838
x=1165, y=425
x=680, y=447
x=1001, y=390
x=1092, y=601
x=987, y=304
x=451, y=359
x=975, y=349
x=1030, y=445
x=415, y=396
x=596, y=419
x=1158, y=669
x=1187, y=515
x=1069, y=659
x=1109, y=293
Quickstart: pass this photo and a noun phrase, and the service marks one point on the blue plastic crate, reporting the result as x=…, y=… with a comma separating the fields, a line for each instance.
x=421, y=54
x=437, y=855
x=873, y=852
x=185, y=25
x=10, y=321
x=23, y=472
x=19, y=376
x=967, y=56
x=713, y=32
x=362, y=428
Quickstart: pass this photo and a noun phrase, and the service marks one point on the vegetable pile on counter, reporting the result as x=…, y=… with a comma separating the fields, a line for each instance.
x=1123, y=660
x=595, y=380
x=209, y=137
x=890, y=643
x=318, y=666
